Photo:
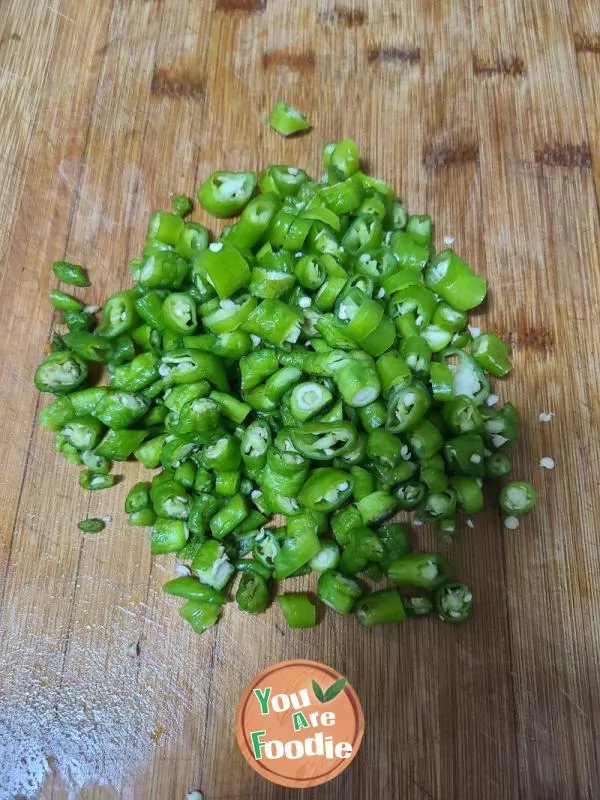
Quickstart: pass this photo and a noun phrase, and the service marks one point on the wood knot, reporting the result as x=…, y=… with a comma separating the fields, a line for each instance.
x=564, y=155
x=351, y=17
x=166, y=85
x=526, y=336
x=436, y=156
x=393, y=55
x=298, y=62
x=509, y=67
x=586, y=44
x=240, y=5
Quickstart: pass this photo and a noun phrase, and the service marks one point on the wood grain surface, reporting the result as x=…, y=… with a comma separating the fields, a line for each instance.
x=485, y=114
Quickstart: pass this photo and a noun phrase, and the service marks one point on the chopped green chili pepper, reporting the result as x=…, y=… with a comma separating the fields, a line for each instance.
x=165, y=227
x=120, y=409
x=396, y=542
x=420, y=227
x=342, y=157
x=421, y=570
x=85, y=401
x=491, y=353
x=252, y=565
x=60, y=373
x=300, y=545
x=203, y=507
x=376, y=507
x=417, y=354
x=96, y=463
x=410, y=495
x=224, y=194
x=441, y=379
x=285, y=181
x=78, y=320
x=328, y=557
x=449, y=318
x=64, y=302
x=192, y=240
x=71, y=454
x=224, y=268
x=119, y=315
x=409, y=254
x=253, y=593
x=465, y=455
x=497, y=465
x=119, y=445
x=372, y=416
x=517, y=497
x=275, y=322
x=93, y=481
x=453, y=280
x=70, y=273
x=143, y=519
x=150, y=308
x=462, y=415
x=364, y=483
x=200, y=616
x=326, y=489
x=500, y=426
x=190, y=587
x=439, y=506
x=407, y=405
x=83, y=433
x=182, y=205
x=344, y=521
x=363, y=547
x=338, y=591
x=179, y=313
x=212, y=566
x=454, y=602
x=163, y=270
x=357, y=382
x=322, y=441
x=379, y=607
x=138, y=497
x=229, y=517
x=393, y=371
x=418, y=606
x=266, y=549
x=298, y=609
x=469, y=497
x=385, y=447
x=57, y=413
x=91, y=525
x=287, y=120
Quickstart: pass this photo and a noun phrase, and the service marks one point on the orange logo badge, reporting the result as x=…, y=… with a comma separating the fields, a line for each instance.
x=299, y=723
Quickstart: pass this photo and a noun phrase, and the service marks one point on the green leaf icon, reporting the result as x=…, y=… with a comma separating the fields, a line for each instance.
x=334, y=689
x=331, y=693
x=318, y=692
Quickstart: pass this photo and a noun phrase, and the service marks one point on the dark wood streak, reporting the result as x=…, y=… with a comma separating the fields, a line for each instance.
x=393, y=55
x=240, y=5
x=512, y=68
x=351, y=17
x=165, y=85
x=13, y=37
x=300, y=62
x=586, y=44
x=564, y=155
x=440, y=156
x=526, y=337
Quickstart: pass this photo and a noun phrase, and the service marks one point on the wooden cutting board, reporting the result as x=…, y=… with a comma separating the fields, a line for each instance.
x=486, y=115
